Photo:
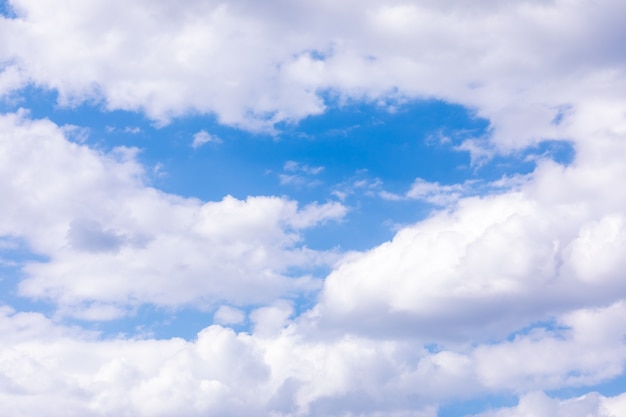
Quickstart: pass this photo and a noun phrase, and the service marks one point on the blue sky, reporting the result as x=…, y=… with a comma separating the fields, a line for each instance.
x=312, y=209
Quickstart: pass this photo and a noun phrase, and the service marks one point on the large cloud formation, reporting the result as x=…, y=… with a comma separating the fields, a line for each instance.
x=520, y=292
x=524, y=65
x=112, y=242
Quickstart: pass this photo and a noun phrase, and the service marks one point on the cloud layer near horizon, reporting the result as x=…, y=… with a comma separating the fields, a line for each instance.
x=284, y=369
x=519, y=292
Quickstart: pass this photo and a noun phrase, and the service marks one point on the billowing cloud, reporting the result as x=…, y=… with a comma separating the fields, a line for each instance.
x=518, y=292
x=286, y=370
x=529, y=67
x=112, y=242
x=491, y=263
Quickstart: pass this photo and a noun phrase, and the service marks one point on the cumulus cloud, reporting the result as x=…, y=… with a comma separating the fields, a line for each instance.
x=272, y=62
x=113, y=242
x=540, y=405
x=534, y=274
x=491, y=263
x=283, y=369
x=229, y=315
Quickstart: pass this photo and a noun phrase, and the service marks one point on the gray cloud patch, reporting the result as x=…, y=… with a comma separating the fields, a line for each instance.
x=89, y=236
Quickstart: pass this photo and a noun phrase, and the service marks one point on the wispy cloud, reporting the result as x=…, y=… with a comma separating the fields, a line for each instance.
x=298, y=174
x=203, y=137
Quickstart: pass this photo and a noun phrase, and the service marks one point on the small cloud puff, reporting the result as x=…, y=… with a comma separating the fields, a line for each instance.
x=229, y=315
x=203, y=137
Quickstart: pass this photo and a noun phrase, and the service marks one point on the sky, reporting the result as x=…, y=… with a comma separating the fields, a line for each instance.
x=304, y=208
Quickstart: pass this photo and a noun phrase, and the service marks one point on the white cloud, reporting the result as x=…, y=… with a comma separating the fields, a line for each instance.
x=133, y=130
x=359, y=184
x=493, y=263
x=229, y=315
x=11, y=79
x=293, y=166
x=202, y=137
x=286, y=179
x=552, y=250
x=284, y=369
x=586, y=348
x=113, y=243
x=270, y=321
x=298, y=174
x=431, y=192
x=518, y=65
x=537, y=404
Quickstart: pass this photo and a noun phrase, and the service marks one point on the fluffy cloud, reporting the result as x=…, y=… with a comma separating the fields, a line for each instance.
x=112, y=242
x=517, y=292
x=490, y=264
x=283, y=369
x=228, y=315
x=540, y=405
x=528, y=67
